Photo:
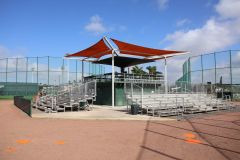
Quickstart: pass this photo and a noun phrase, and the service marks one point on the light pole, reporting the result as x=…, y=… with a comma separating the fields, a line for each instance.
x=59, y=77
x=62, y=68
x=32, y=70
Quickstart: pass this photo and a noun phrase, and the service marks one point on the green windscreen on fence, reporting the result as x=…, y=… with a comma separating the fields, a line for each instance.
x=20, y=89
x=218, y=70
x=23, y=104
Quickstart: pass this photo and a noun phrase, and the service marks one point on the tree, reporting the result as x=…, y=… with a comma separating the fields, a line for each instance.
x=138, y=70
x=152, y=69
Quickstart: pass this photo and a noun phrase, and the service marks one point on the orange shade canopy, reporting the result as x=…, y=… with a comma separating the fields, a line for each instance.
x=101, y=49
x=97, y=50
x=131, y=49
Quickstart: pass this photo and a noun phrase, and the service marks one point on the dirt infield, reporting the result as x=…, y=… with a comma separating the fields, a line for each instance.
x=213, y=137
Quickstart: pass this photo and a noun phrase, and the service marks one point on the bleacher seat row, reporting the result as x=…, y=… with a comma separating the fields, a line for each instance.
x=67, y=98
x=178, y=104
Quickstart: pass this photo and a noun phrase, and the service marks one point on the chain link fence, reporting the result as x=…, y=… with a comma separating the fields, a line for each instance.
x=212, y=73
x=23, y=75
x=45, y=70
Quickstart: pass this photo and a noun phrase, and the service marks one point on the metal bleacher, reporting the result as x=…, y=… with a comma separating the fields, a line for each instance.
x=73, y=97
x=178, y=104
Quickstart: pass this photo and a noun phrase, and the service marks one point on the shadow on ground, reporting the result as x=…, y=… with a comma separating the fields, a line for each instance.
x=219, y=138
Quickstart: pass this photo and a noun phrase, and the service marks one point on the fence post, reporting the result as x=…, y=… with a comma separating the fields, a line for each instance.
x=82, y=71
x=202, y=67
x=48, y=70
x=26, y=69
x=16, y=68
x=189, y=75
x=68, y=72
x=63, y=68
x=6, y=70
x=95, y=83
x=230, y=54
x=26, y=76
x=37, y=70
x=92, y=69
x=215, y=66
x=132, y=90
x=89, y=70
x=230, y=58
x=142, y=98
x=95, y=69
x=155, y=87
x=76, y=71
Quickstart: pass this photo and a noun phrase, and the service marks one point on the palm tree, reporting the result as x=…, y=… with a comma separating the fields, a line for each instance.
x=138, y=70
x=152, y=69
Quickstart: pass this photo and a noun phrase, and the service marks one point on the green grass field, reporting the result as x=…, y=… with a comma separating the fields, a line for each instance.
x=11, y=97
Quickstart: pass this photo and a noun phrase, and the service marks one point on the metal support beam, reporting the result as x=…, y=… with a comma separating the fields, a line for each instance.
x=7, y=70
x=76, y=71
x=202, y=67
x=48, y=70
x=113, y=71
x=37, y=70
x=82, y=71
x=113, y=78
x=27, y=70
x=215, y=68
x=142, y=97
x=230, y=65
x=16, y=69
x=26, y=93
x=68, y=72
x=63, y=68
x=132, y=90
x=165, y=75
x=89, y=69
x=76, y=67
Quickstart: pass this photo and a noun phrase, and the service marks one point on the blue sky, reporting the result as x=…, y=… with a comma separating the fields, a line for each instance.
x=57, y=27
x=41, y=28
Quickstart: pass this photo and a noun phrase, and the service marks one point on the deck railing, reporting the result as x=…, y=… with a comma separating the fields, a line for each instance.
x=128, y=78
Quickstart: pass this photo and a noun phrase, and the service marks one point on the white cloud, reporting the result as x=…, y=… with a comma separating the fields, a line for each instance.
x=183, y=22
x=228, y=8
x=96, y=25
x=212, y=36
x=216, y=34
x=162, y=4
x=3, y=51
x=7, y=53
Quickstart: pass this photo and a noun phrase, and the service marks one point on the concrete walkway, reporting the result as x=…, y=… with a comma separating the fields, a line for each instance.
x=98, y=113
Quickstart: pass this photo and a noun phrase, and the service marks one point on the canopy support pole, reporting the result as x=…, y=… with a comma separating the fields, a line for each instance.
x=113, y=78
x=122, y=70
x=82, y=71
x=113, y=70
x=165, y=76
x=68, y=72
